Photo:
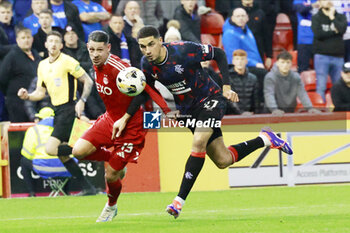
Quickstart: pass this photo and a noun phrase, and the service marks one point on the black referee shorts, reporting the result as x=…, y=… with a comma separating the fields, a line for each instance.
x=63, y=121
x=212, y=109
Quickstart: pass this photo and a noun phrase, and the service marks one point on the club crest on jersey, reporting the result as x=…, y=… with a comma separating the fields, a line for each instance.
x=179, y=69
x=105, y=79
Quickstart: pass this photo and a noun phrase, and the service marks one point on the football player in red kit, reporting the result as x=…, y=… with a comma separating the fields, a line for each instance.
x=119, y=127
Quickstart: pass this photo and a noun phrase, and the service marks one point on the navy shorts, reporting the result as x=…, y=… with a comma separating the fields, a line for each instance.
x=210, y=112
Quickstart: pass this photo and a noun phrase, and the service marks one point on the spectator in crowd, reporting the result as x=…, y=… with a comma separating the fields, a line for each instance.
x=305, y=10
x=245, y=84
x=65, y=12
x=20, y=10
x=237, y=35
x=343, y=7
x=329, y=27
x=17, y=70
x=4, y=49
x=33, y=147
x=131, y=17
x=122, y=45
x=32, y=108
x=282, y=87
x=173, y=33
x=45, y=21
x=341, y=90
x=7, y=22
x=76, y=48
x=190, y=23
x=91, y=14
x=258, y=25
x=32, y=21
x=151, y=12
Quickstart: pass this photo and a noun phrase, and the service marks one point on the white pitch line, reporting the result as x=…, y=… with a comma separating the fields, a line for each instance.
x=187, y=212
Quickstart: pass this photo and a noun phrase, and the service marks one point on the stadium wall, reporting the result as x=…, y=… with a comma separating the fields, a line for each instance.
x=174, y=147
x=161, y=165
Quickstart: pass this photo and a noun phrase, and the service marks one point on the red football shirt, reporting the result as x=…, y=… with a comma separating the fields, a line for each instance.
x=116, y=102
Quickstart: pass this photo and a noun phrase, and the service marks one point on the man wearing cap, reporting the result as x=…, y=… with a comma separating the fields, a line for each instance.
x=34, y=142
x=76, y=48
x=341, y=90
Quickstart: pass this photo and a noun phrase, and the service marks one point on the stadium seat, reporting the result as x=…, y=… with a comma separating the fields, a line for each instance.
x=210, y=3
x=282, y=22
x=316, y=100
x=283, y=34
x=282, y=39
x=309, y=80
x=212, y=24
x=208, y=39
x=107, y=5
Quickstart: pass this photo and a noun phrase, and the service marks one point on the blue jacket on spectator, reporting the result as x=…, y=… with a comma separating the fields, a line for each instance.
x=304, y=12
x=10, y=32
x=88, y=8
x=235, y=38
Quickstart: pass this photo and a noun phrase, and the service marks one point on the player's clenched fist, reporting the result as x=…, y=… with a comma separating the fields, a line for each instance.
x=229, y=94
x=23, y=94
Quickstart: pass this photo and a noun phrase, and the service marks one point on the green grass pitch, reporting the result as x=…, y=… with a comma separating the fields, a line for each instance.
x=316, y=208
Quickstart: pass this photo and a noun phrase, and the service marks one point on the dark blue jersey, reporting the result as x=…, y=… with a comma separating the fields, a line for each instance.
x=182, y=74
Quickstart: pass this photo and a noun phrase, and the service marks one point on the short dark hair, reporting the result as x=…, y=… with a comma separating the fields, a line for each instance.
x=285, y=55
x=54, y=33
x=99, y=36
x=22, y=29
x=148, y=31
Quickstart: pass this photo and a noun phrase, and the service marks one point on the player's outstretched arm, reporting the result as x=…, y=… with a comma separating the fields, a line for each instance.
x=221, y=60
x=86, y=80
x=36, y=95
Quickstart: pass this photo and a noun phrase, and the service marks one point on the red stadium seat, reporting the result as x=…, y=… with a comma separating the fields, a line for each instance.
x=283, y=22
x=106, y=4
x=316, y=100
x=283, y=34
x=282, y=39
x=210, y=3
x=208, y=39
x=212, y=23
x=309, y=80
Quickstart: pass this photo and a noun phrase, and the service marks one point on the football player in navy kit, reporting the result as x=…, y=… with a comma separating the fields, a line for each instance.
x=199, y=99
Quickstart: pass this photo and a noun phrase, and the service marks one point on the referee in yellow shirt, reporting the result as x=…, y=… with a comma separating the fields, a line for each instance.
x=58, y=75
